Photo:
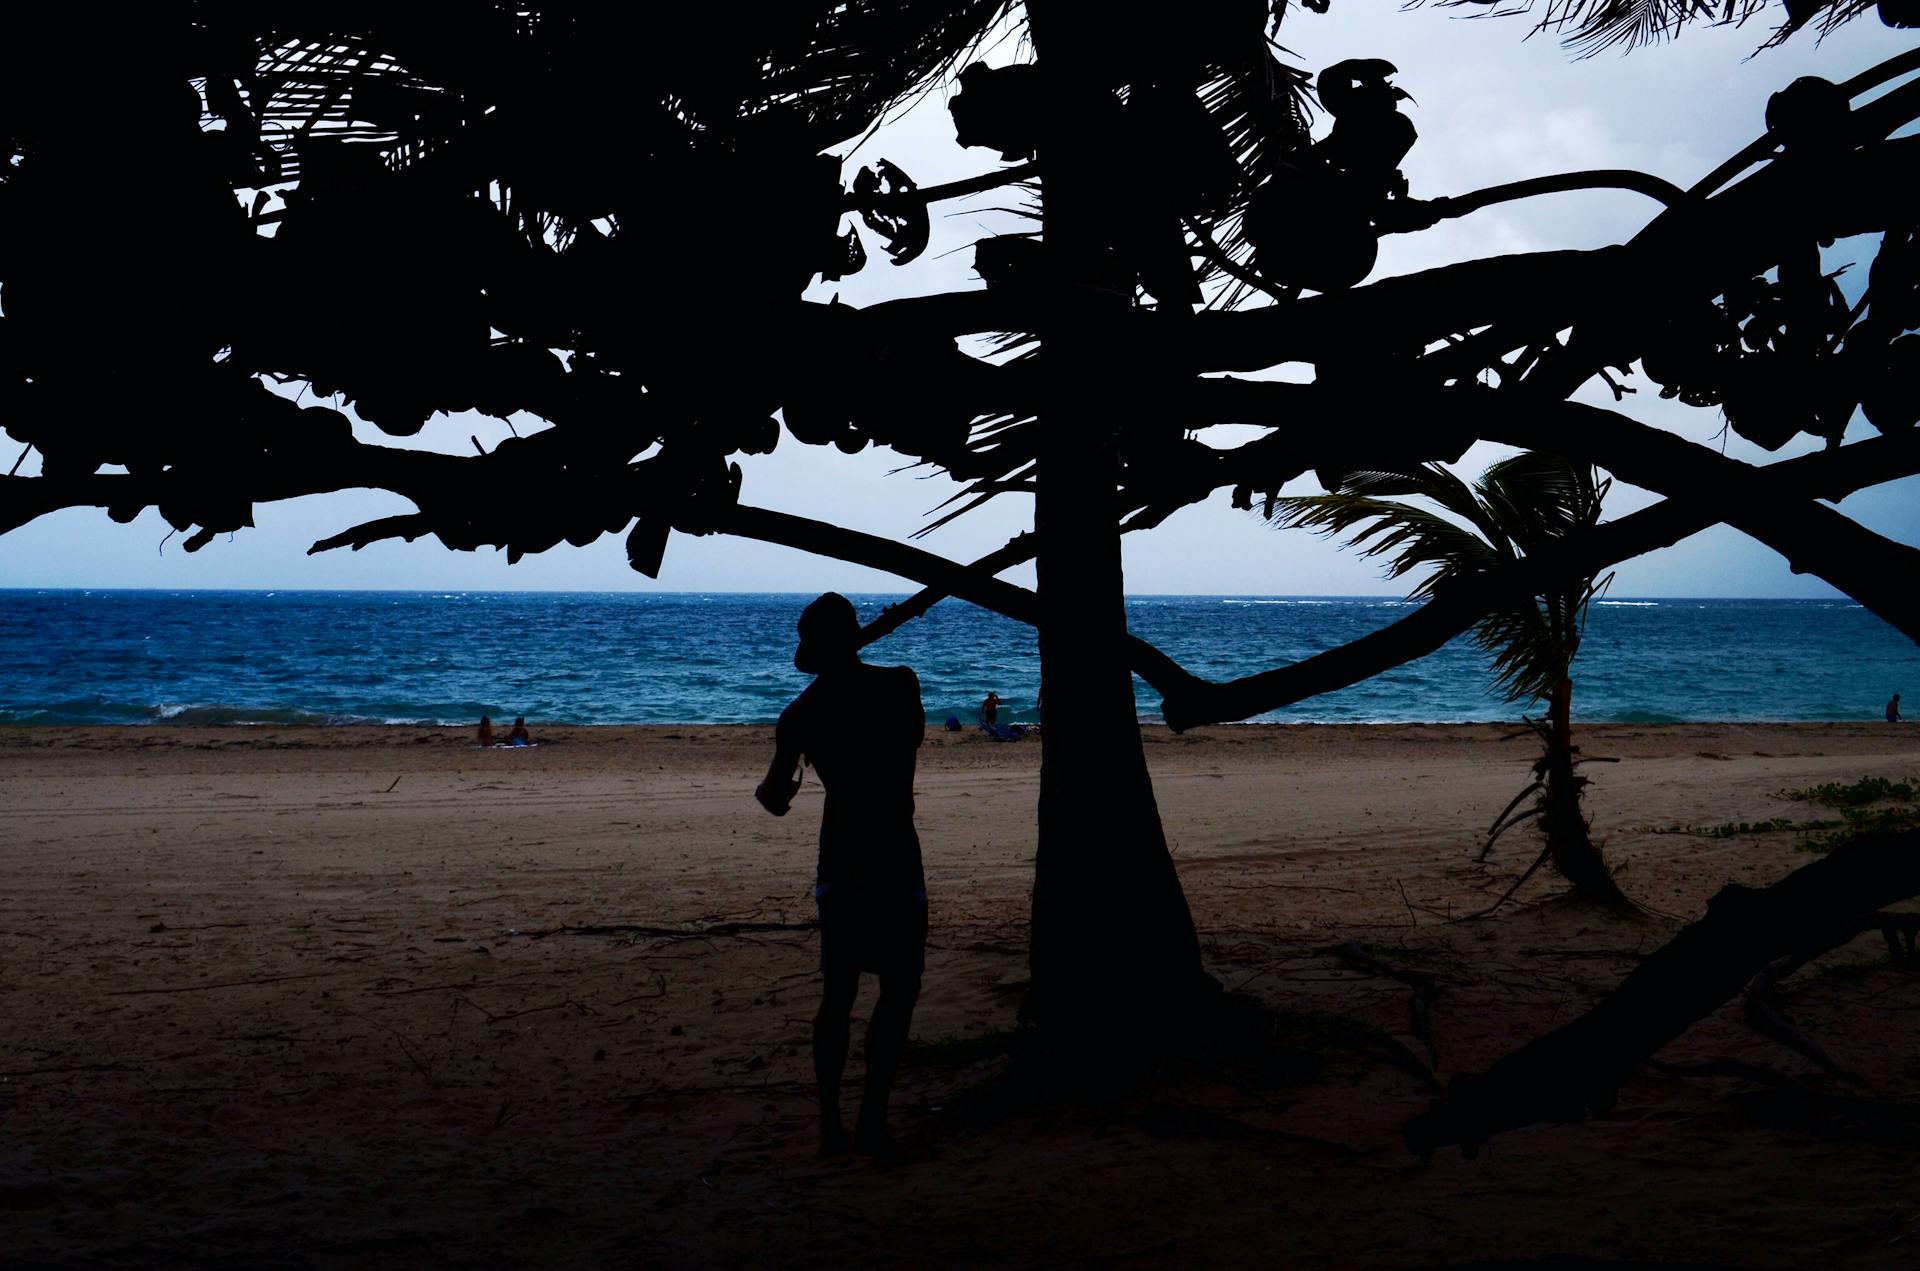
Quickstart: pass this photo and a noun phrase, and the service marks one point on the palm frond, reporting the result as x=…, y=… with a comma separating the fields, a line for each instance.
x=1590, y=27
x=1535, y=498
x=1262, y=108
x=1433, y=482
x=1410, y=537
x=1519, y=506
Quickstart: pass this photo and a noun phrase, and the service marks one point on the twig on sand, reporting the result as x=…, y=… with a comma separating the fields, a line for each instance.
x=396, y=781
x=660, y=990
x=734, y=929
x=1736, y=1068
x=531, y=1010
x=1545, y=854
x=222, y=984
x=1424, y=990
x=1764, y=1012
x=406, y=1047
x=44, y=1072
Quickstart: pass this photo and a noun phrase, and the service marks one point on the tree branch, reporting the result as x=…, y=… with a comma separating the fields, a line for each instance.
x=963, y=581
x=951, y=190
x=1428, y=211
x=1018, y=550
x=409, y=527
x=1456, y=606
x=1872, y=569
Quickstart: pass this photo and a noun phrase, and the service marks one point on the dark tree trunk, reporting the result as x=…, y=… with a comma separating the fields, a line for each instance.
x=1569, y=845
x=1115, y=959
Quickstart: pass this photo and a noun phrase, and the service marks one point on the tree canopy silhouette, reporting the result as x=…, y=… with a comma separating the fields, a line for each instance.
x=472, y=206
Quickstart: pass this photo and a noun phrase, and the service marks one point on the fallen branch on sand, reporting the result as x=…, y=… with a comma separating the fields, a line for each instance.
x=1576, y=1070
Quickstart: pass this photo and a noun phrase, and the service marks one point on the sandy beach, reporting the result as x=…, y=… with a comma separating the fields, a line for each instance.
x=374, y=996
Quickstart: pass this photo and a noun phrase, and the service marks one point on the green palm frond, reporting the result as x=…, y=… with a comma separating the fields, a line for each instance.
x=1533, y=645
x=1410, y=537
x=1535, y=498
x=1519, y=506
x=1433, y=482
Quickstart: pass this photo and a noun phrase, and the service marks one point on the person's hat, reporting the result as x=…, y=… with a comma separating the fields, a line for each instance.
x=829, y=632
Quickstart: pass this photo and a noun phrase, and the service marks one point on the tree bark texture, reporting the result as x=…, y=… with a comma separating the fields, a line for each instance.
x=1568, y=843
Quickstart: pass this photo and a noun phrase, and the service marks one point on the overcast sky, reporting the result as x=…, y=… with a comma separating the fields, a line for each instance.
x=1491, y=106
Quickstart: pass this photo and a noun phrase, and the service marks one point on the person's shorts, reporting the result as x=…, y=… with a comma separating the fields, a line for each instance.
x=882, y=933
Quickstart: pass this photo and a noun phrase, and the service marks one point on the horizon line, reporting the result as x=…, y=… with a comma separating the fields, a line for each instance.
x=710, y=591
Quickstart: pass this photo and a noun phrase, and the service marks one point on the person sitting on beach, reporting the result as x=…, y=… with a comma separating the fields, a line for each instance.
x=486, y=731
x=990, y=710
x=517, y=736
x=1893, y=710
x=861, y=727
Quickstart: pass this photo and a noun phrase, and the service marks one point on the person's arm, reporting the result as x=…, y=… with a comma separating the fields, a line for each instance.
x=782, y=780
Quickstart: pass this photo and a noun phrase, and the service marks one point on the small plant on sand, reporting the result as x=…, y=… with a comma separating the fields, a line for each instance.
x=1739, y=829
x=1855, y=802
x=1833, y=794
x=1521, y=506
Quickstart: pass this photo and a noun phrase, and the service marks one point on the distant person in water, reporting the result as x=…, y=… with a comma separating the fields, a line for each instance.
x=486, y=731
x=860, y=726
x=1893, y=710
x=990, y=709
x=517, y=736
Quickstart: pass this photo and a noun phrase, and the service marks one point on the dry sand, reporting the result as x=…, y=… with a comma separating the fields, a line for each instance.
x=285, y=997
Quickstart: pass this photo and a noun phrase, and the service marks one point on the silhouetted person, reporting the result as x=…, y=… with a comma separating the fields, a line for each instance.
x=486, y=731
x=860, y=726
x=1893, y=710
x=990, y=709
x=517, y=736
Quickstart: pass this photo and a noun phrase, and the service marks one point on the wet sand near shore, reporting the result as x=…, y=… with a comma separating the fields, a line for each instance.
x=374, y=996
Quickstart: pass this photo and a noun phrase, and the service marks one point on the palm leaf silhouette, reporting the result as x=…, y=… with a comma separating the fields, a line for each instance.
x=1519, y=506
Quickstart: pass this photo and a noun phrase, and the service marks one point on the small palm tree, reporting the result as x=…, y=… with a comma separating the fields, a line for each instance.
x=1519, y=507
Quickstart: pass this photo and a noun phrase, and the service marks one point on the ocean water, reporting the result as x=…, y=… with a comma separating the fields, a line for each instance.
x=132, y=657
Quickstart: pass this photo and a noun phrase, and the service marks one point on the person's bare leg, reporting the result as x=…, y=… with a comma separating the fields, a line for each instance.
x=886, y=1042
x=830, y=1034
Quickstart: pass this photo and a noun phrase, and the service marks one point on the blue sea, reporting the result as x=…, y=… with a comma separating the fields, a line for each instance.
x=257, y=657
